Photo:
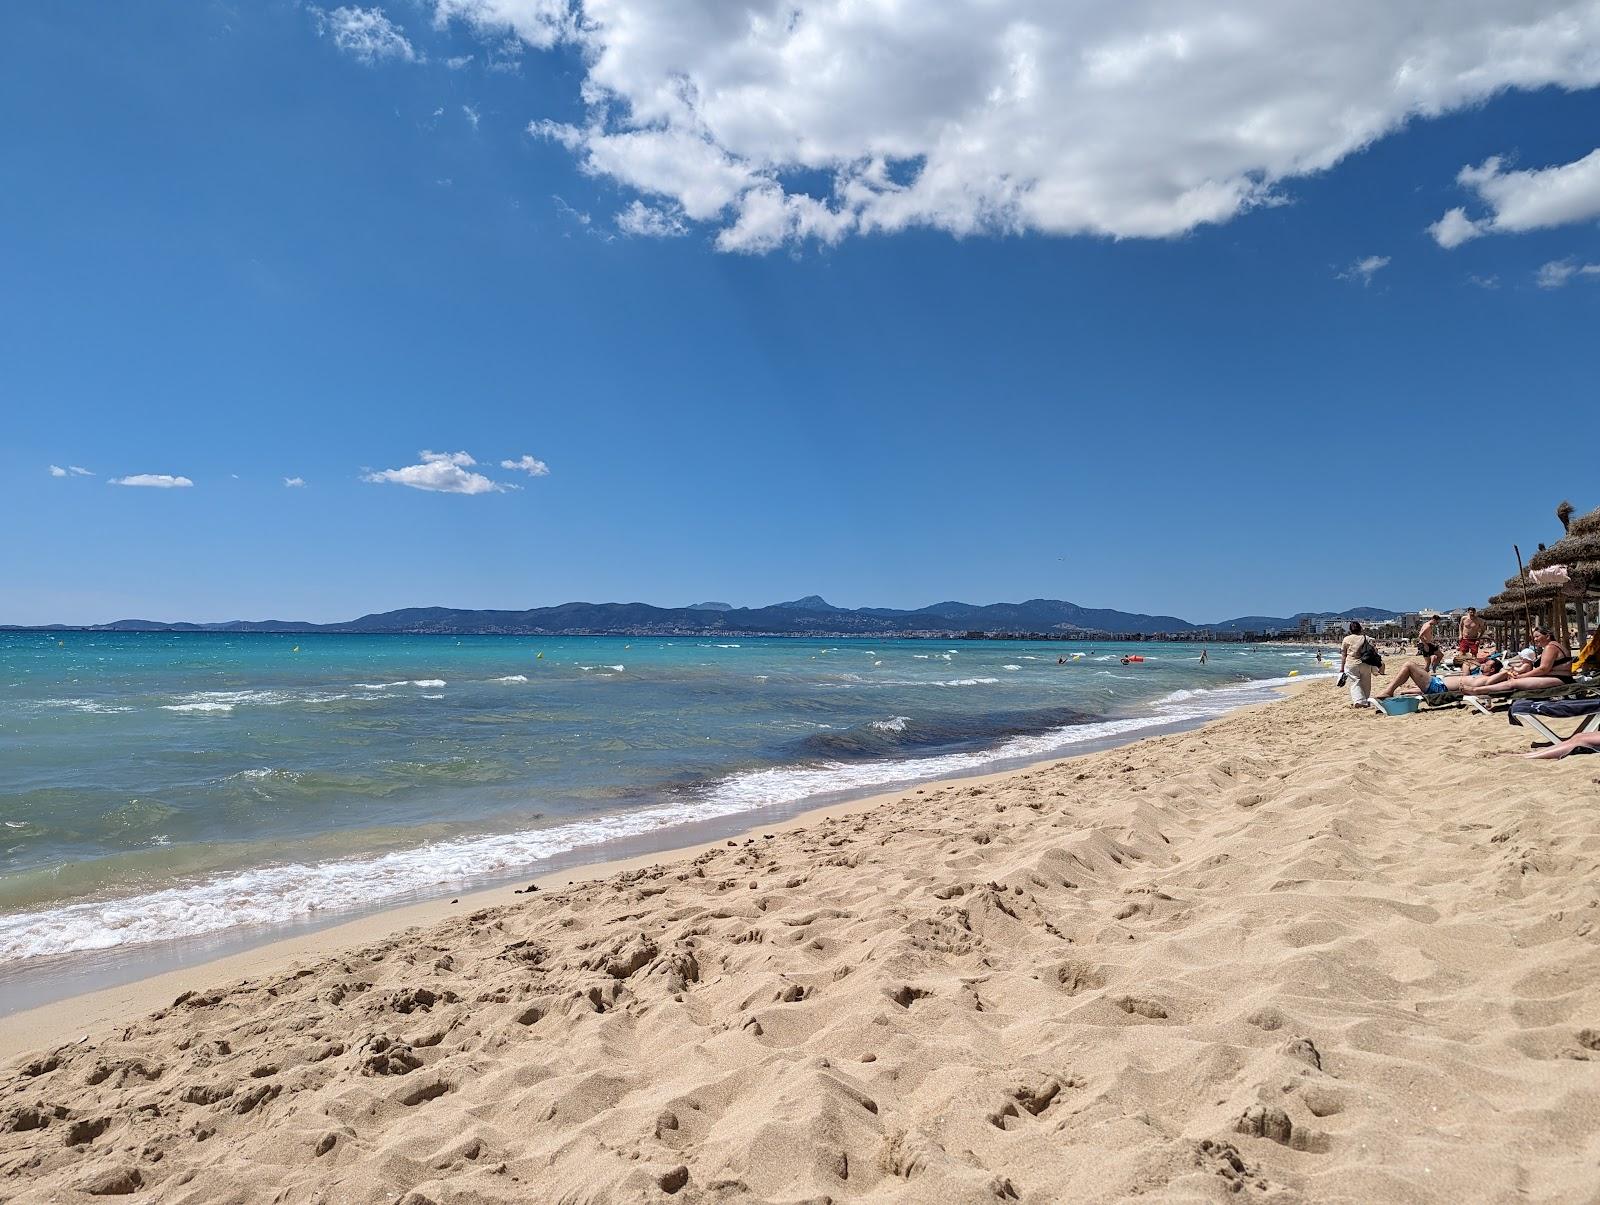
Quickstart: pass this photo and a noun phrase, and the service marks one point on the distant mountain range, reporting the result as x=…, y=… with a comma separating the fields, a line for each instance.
x=811, y=615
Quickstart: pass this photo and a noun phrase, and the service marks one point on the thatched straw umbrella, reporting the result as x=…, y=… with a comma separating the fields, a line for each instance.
x=1579, y=551
x=1585, y=525
x=1584, y=546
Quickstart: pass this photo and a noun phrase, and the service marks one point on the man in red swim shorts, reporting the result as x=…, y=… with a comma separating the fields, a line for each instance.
x=1471, y=633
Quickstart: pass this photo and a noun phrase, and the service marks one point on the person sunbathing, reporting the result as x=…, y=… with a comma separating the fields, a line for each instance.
x=1552, y=669
x=1584, y=742
x=1424, y=683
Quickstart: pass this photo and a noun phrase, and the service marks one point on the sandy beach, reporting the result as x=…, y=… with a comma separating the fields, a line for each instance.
x=1302, y=953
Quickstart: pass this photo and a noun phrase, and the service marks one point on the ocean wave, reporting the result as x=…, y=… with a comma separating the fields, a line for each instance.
x=220, y=708
x=1011, y=667
x=282, y=775
x=262, y=698
x=511, y=678
x=278, y=894
x=88, y=706
x=790, y=784
x=896, y=724
x=429, y=683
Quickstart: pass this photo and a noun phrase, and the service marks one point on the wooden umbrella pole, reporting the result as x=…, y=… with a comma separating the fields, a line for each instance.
x=1522, y=576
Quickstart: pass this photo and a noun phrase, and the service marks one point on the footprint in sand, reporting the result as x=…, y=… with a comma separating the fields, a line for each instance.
x=1269, y=1121
x=1075, y=977
x=1321, y=1101
x=1138, y=1006
x=1302, y=1050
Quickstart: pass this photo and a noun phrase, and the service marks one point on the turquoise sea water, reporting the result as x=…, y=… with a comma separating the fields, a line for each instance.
x=162, y=786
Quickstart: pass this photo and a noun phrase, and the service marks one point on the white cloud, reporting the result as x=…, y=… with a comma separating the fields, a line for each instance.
x=158, y=481
x=540, y=23
x=1454, y=229
x=441, y=472
x=57, y=471
x=471, y=114
x=1557, y=273
x=458, y=61
x=293, y=483
x=1536, y=199
x=1365, y=269
x=771, y=122
x=528, y=465
x=366, y=34
x=72, y=470
x=648, y=221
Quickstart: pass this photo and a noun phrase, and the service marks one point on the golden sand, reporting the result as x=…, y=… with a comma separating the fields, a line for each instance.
x=1303, y=953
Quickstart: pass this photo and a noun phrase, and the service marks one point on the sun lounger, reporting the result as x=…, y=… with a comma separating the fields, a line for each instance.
x=1579, y=688
x=1532, y=713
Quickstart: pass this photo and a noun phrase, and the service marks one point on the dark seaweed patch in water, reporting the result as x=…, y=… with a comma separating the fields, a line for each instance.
x=890, y=737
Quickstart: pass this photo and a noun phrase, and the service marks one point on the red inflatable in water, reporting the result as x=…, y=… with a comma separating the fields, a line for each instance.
x=1132, y=660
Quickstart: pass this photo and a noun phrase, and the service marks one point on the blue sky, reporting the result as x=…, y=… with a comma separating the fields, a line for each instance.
x=1175, y=369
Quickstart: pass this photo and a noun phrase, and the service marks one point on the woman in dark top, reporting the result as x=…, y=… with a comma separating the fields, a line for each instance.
x=1553, y=668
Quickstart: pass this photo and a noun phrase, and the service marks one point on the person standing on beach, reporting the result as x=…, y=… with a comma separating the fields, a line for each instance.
x=1427, y=647
x=1353, y=670
x=1471, y=633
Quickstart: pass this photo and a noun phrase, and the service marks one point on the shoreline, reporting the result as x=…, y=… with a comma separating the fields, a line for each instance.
x=51, y=978
x=1298, y=953
x=108, y=996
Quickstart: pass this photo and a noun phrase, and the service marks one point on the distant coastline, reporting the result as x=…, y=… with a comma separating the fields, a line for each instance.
x=1035, y=619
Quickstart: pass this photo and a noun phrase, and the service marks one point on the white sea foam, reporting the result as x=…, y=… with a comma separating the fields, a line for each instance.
x=789, y=784
x=266, y=772
x=429, y=683
x=896, y=724
x=1011, y=667
x=433, y=696
x=88, y=706
x=511, y=678
x=616, y=668
x=198, y=707
x=277, y=894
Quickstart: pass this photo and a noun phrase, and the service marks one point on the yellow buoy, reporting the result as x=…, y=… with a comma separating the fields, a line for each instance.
x=1293, y=673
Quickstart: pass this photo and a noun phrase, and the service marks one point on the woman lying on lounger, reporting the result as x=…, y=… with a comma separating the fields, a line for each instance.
x=1553, y=668
x=1424, y=683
